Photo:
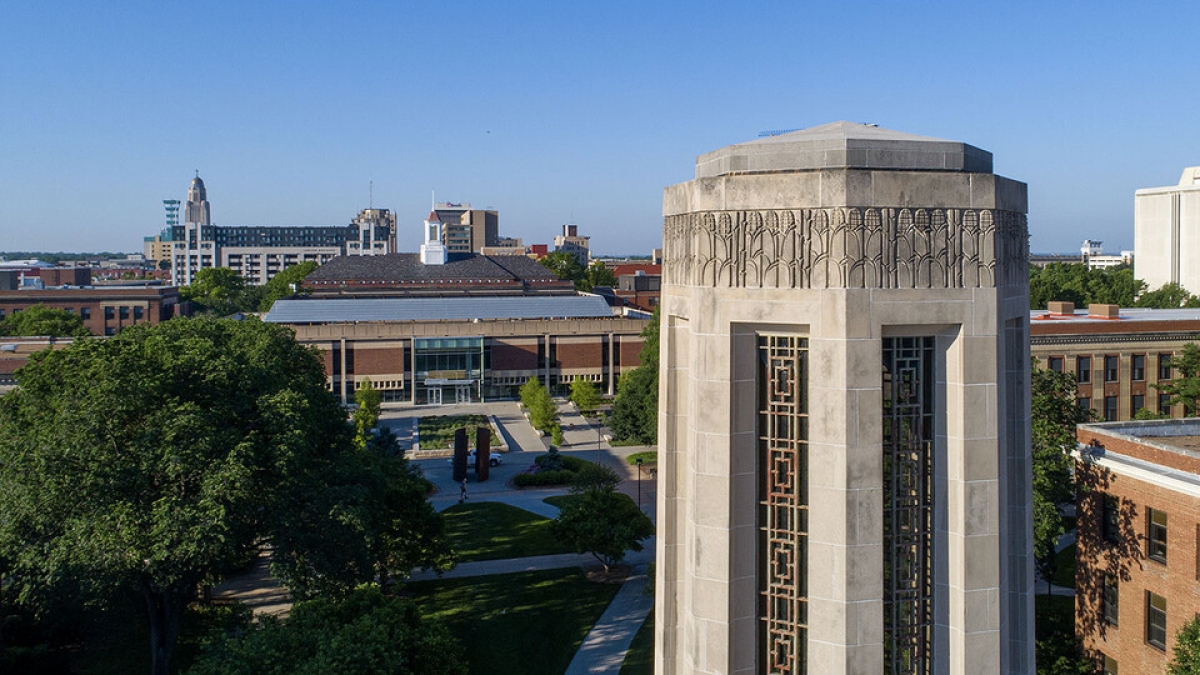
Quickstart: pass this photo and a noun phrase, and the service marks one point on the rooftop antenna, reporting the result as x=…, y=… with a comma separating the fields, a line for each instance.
x=371, y=198
x=432, y=200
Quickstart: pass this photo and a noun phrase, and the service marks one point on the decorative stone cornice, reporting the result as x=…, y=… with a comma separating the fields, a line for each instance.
x=847, y=247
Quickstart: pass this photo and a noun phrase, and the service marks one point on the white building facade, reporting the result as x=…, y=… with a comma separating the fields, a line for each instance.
x=1166, y=233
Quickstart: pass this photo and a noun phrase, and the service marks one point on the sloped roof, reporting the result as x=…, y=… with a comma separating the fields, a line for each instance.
x=844, y=145
x=397, y=268
x=346, y=310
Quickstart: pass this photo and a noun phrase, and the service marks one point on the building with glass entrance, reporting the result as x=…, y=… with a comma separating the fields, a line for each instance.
x=448, y=370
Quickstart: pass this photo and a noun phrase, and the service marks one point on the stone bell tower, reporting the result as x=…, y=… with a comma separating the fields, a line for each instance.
x=844, y=480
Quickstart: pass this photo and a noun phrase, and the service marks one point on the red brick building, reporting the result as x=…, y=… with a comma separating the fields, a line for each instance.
x=434, y=350
x=1138, y=564
x=105, y=310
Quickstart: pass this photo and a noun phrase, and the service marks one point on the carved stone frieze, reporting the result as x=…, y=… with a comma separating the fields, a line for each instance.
x=847, y=247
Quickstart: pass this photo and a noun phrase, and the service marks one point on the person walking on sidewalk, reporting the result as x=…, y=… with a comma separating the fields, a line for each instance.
x=462, y=491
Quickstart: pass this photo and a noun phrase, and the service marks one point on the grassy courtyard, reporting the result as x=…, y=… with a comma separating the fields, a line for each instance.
x=492, y=531
x=529, y=623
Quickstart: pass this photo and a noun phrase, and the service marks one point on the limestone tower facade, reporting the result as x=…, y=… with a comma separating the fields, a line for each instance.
x=844, y=479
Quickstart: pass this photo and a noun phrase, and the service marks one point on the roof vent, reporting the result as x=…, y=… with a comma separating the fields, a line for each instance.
x=1061, y=307
x=1097, y=311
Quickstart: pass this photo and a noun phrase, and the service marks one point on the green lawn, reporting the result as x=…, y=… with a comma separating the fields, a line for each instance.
x=640, y=658
x=561, y=501
x=648, y=457
x=438, y=430
x=1064, y=574
x=492, y=531
x=529, y=623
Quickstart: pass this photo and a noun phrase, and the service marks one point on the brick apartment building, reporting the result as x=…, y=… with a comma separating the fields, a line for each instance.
x=1117, y=355
x=1138, y=564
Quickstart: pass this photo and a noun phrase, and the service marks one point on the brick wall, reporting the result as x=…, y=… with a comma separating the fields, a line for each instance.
x=514, y=355
x=1127, y=559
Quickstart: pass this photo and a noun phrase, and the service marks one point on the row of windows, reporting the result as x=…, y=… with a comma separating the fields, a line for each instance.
x=1136, y=403
x=1156, y=615
x=1137, y=367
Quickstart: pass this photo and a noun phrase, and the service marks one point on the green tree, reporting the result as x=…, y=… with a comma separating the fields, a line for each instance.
x=1169, y=296
x=543, y=412
x=366, y=632
x=635, y=409
x=1186, y=655
x=1184, y=388
x=151, y=462
x=43, y=320
x=566, y=266
x=366, y=415
x=1075, y=282
x=604, y=523
x=598, y=274
x=585, y=394
x=285, y=284
x=220, y=291
x=1054, y=416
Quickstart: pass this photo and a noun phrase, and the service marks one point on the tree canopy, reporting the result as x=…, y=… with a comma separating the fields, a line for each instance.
x=1169, y=296
x=604, y=523
x=285, y=284
x=635, y=409
x=151, y=462
x=40, y=320
x=1186, y=655
x=1075, y=282
x=1054, y=416
x=220, y=291
x=1184, y=388
x=585, y=394
x=366, y=632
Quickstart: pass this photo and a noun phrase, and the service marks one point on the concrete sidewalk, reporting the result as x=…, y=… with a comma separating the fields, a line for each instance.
x=483, y=568
x=604, y=648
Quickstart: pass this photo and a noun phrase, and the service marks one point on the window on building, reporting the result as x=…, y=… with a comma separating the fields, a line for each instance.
x=1111, y=600
x=1156, y=535
x=1164, y=404
x=1084, y=402
x=1111, y=368
x=124, y=312
x=1110, y=408
x=1055, y=363
x=1110, y=666
x=1156, y=620
x=1111, y=524
x=1164, y=366
x=109, y=330
x=109, y=313
x=1136, y=403
x=1083, y=369
x=3, y=313
x=137, y=312
x=1137, y=367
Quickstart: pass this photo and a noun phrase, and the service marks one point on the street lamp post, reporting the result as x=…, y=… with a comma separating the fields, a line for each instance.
x=639, y=466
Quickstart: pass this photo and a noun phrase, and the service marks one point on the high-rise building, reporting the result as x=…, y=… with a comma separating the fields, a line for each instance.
x=844, y=481
x=570, y=242
x=467, y=230
x=1166, y=220
x=259, y=253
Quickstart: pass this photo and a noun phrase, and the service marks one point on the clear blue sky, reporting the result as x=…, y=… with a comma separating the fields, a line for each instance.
x=556, y=112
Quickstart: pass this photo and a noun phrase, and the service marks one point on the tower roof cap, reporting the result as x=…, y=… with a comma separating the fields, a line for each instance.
x=844, y=145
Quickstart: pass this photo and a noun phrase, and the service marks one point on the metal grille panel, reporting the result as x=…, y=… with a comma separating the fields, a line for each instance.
x=783, y=503
x=908, y=426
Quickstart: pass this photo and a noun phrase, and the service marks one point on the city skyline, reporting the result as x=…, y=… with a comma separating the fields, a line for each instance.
x=553, y=114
